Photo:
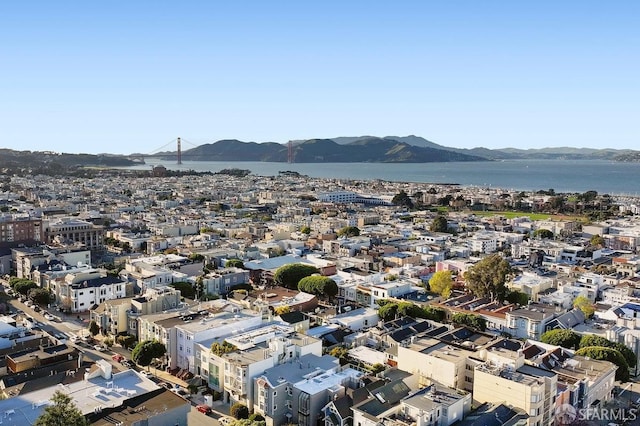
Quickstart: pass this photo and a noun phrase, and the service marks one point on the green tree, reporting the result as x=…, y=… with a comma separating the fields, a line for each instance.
x=607, y=354
x=341, y=353
x=597, y=241
x=543, y=234
x=24, y=286
x=40, y=296
x=584, y=304
x=402, y=199
x=305, y=230
x=186, y=289
x=470, y=320
x=595, y=340
x=441, y=283
x=234, y=263
x=487, y=277
x=126, y=340
x=388, y=311
x=290, y=275
x=220, y=349
x=199, y=286
x=239, y=411
x=63, y=412
x=196, y=257
x=566, y=338
x=280, y=310
x=94, y=328
x=517, y=297
x=319, y=286
x=147, y=351
x=349, y=231
x=439, y=224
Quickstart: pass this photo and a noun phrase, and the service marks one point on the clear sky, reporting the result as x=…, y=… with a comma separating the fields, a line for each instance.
x=131, y=76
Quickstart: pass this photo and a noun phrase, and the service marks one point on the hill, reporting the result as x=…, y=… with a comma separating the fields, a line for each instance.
x=359, y=150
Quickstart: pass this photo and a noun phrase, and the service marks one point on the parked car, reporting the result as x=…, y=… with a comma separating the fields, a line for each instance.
x=117, y=358
x=205, y=409
x=48, y=317
x=99, y=348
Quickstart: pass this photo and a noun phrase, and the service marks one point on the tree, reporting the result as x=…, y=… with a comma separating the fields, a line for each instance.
x=147, y=351
x=487, y=277
x=196, y=257
x=239, y=411
x=543, y=234
x=305, y=230
x=607, y=354
x=566, y=338
x=319, y=286
x=186, y=289
x=584, y=304
x=402, y=199
x=126, y=340
x=290, y=275
x=284, y=309
x=441, y=283
x=220, y=349
x=517, y=297
x=24, y=286
x=108, y=342
x=341, y=353
x=470, y=320
x=199, y=287
x=349, y=231
x=597, y=241
x=63, y=412
x=439, y=224
x=94, y=328
x=234, y=263
x=595, y=340
x=40, y=296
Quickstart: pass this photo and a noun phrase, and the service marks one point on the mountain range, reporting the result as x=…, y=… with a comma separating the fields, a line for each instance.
x=388, y=149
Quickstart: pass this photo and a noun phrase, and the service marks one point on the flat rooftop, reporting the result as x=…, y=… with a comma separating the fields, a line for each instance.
x=88, y=395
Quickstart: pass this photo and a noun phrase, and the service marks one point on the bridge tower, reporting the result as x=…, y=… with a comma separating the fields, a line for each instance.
x=290, y=152
x=179, y=151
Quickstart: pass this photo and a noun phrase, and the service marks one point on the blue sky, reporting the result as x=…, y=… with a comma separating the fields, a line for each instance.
x=131, y=76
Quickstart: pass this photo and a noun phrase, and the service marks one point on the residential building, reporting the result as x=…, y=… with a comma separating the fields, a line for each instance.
x=297, y=392
x=528, y=388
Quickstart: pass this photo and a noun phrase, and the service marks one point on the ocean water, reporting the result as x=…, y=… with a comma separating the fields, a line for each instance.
x=605, y=177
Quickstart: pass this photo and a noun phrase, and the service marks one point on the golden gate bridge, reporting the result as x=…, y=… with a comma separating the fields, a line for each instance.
x=177, y=142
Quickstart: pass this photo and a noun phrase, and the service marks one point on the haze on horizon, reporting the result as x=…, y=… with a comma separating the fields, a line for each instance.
x=124, y=77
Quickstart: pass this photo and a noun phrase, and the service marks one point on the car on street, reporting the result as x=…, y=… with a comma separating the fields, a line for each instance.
x=117, y=358
x=99, y=348
x=48, y=317
x=205, y=409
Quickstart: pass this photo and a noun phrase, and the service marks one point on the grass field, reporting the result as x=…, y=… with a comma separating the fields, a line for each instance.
x=532, y=216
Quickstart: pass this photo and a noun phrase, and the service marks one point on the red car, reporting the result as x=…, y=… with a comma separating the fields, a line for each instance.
x=117, y=358
x=203, y=408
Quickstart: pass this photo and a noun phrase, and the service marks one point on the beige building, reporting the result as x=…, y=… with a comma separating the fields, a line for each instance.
x=531, y=389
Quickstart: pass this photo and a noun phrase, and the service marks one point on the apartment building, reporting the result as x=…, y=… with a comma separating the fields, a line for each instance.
x=297, y=392
x=528, y=388
x=20, y=228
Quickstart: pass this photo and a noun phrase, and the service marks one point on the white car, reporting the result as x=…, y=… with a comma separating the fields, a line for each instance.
x=48, y=317
x=99, y=348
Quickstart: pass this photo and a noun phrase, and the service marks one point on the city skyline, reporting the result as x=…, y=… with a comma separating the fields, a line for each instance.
x=126, y=78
